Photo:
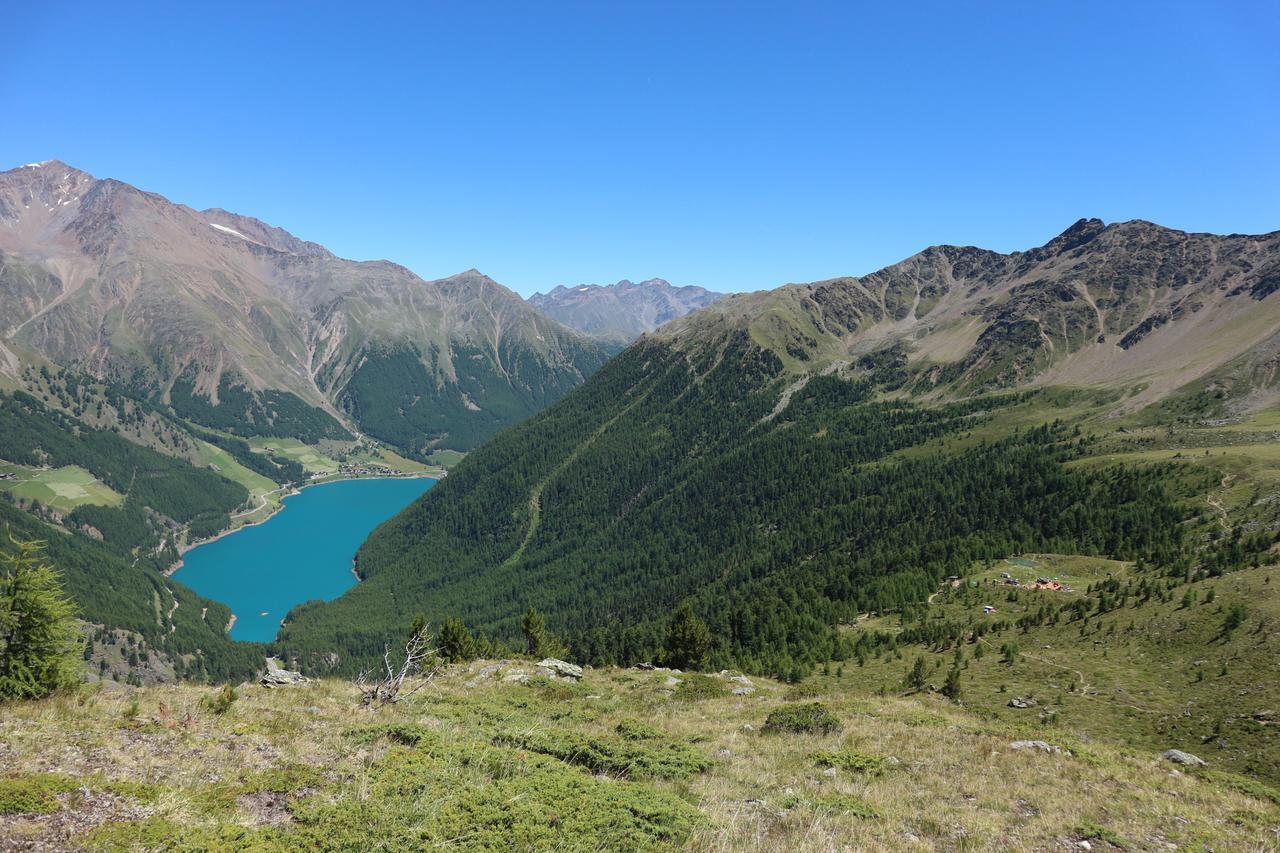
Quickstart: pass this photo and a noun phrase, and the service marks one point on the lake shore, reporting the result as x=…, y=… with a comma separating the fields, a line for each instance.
x=296, y=490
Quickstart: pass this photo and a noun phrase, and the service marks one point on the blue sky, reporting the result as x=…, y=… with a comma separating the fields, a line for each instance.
x=738, y=146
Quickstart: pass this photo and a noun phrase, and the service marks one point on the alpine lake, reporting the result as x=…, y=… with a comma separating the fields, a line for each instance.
x=302, y=553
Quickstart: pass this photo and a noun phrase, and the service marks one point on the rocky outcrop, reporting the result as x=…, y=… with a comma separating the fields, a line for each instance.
x=1186, y=759
x=278, y=676
x=1038, y=745
x=556, y=668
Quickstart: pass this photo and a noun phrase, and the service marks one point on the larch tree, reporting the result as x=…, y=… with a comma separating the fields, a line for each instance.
x=40, y=644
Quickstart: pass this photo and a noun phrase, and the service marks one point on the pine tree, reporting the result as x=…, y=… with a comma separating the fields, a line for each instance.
x=456, y=643
x=688, y=640
x=535, y=633
x=916, y=677
x=40, y=645
x=951, y=687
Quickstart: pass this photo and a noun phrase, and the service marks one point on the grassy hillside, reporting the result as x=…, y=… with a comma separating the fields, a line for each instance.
x=1153, y=668
x=624, y=760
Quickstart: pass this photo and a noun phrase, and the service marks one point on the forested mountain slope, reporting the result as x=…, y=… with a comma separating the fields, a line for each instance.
x=243, y=327
x=763, y=458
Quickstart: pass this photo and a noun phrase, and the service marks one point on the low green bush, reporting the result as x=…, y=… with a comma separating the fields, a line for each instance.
x=33, y=794
x=602, y=754
x=853, y=761
x=844, y=804
x=809, y=718
x=696, y=687
x=636, y=730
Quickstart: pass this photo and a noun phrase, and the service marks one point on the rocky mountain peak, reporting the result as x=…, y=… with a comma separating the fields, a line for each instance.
x=619, y=313
x=1080, y=232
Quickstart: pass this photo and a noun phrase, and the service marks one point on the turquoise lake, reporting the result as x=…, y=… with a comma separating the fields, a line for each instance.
x=301, y=553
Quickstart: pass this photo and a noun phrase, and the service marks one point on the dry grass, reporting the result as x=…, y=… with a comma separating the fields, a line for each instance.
x=951, y=781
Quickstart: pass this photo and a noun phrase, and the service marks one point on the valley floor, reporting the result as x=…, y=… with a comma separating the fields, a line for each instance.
x=625, y=759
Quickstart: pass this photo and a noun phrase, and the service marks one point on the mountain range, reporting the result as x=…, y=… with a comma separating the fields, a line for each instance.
x=239, y=325
x=617, y=314
x=786, y=460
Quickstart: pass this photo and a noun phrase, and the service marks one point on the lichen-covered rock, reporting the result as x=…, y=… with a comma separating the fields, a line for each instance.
x=1036, y=744
x=278, y=676
x=1177, y=756
x=556, y=668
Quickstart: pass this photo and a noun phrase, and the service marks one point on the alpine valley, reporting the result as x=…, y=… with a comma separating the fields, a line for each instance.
x=167, y=375
x=972, y=552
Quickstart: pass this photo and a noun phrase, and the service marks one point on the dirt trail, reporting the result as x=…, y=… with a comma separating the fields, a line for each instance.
x=1083, y=685
x=1224, y=519
x=535, y=494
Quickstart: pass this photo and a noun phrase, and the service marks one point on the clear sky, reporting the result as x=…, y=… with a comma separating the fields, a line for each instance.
x=737, y=146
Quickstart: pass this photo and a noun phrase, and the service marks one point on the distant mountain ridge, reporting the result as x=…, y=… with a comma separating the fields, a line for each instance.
x=1130, y=304
x=619, y=313
x=243, y=326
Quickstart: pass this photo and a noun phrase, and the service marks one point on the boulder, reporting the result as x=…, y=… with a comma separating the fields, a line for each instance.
x=1177, y=756
x=556, y=668
x=1020, y=702
x=646, y=666
x=1036, y=744
x=278, y=676
x=743, y=691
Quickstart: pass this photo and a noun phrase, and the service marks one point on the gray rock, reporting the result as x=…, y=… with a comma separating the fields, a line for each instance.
x=1177, y=756
x=1020, y=702
x=556, y=668
x=671, y=681
x=278, y=676
x=516, y=676
x=1036, y=744
x=646, y=666
x=743, y=691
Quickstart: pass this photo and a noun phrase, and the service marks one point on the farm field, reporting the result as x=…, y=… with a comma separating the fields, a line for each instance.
x=307, y=456
x=64, y=488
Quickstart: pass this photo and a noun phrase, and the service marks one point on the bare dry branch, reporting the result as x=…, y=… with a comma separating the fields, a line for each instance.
x=419, y=659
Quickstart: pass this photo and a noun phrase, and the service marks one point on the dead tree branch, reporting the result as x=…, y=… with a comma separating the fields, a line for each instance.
x=385, y=687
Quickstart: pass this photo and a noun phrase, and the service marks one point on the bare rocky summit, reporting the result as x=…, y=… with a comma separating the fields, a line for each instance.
x=1131, y=305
